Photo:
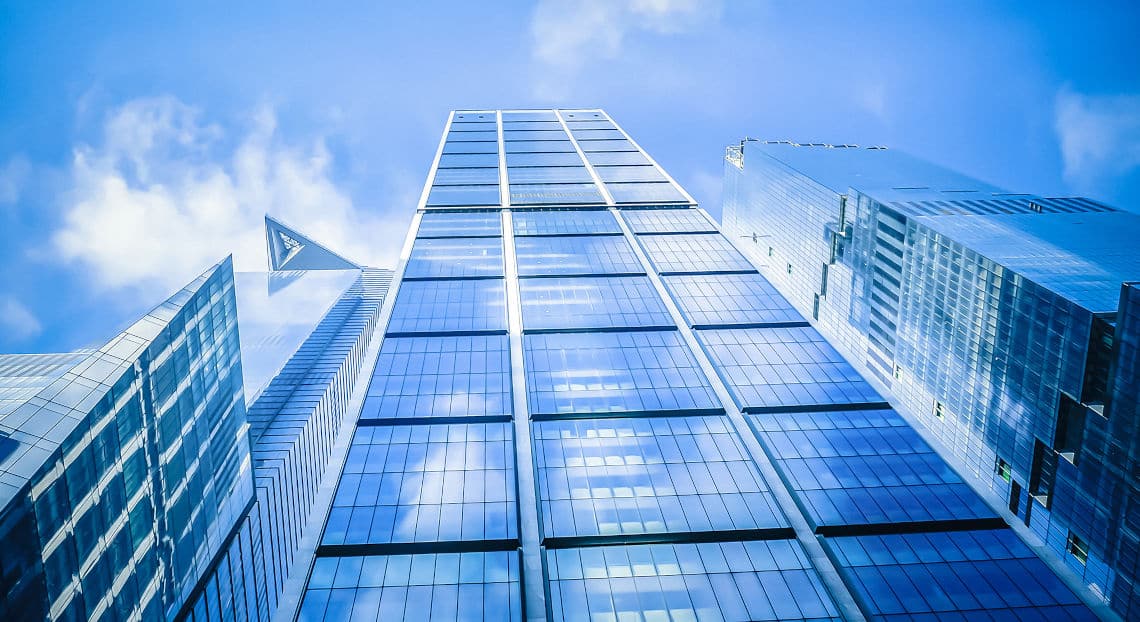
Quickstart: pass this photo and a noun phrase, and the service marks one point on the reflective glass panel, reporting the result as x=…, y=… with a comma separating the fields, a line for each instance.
x=711, y=299
x=491, y=146
x=454, y=196
x=647, y=475
x=458, y=224
x=466, y=176
x=455, y=257
x=558, y=174
x=480, y=135
x=591, y=302
x=613, y=373
x=461, y=160
x=698, y=252
x=529, y=115
x=555, y=194
x=451, y=305
x=730, y=581
x=440, y=377
x=963, y=575
x=425, y=586
x=781, y=367
x=620, y=144
x=604, y=158
x=608, y=254
x=539, y=146
x=667, y=221
x=511, y=126
x=564, y=222
x=474, y=117
x=596, y=134
x=426, y=483
x=511, y=134
x=629, y=173
x=865, y=467
x=543, y=159
x=646, y=192
x=575, y=125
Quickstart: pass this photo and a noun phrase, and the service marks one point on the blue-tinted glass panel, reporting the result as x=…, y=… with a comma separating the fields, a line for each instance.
x=466, y=176
x=645, y=192
x=782, y=367
x=667, y=221
x=730, y=581
x=426, y=483
x=555, y=194
x=575, y=125
x=564, y=222
x=609, y=254
x=474, y=117
x=711, y=299
x=471, y=147
x=620, y=144
x=512, y=134
x=465, y=160
x=529, y=115
x=591, y=302
x=453, y=196
x=480, y=135
x=865, y=467
x=552, y=174
x=440, y=377
x=509, y=126
x=457, y=224
x=456, y=257
x=452, y=305
x=543, y=159
x=425, y=586
x=617, y=158
x=629, y=173
x=698, y=252
x=654, y=475
x=539, y=146
x=597, y=134
x=964, y=575
x=613, y=373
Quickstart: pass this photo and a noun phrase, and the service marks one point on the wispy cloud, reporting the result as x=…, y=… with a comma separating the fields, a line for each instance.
x=13, y=175
x=1099, y=136
x=16, y=321
x=567, y=36
x=165, y=195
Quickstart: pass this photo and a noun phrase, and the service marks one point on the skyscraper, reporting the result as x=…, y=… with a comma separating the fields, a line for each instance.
x=1004, y=323
x=573, y=398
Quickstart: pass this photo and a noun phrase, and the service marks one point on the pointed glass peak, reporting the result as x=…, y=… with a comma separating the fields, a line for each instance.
x=289, y=250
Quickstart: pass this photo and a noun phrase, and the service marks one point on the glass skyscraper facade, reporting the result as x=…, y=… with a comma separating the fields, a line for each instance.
x=1002, y=323
x=572, y=399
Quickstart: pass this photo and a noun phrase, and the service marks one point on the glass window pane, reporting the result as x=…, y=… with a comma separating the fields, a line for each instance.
x=440, y=377
x=964, y=574
x=597, y=134
x=456, y=160
x=607, y=145
x=557, y=174
x=712, y=299
x=471, y=147
x=465, y=176
x=645, y=582
x=474, y=117
x=511, y=134
x=668, y=221
x=773, y=368
x=582, y=115
x=613, y=373
x=460, y=224
x=426, y=483
x=540, y=146
x=562, y=222
x=511, y=126
x=605, y=158
x=529, y=115
x=576, y=255
x=650, y=192
x=555, y=194
x=543, y=159
x=630, y=475
x=592, y=302
x=447, y=196
x=693, y=253
x=629, y=173
x=575, y=125
x=454, y=258
x=865, y=467
x=488, y=135
x=451, y=305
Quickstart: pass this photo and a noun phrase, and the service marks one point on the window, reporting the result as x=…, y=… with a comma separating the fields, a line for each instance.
x=771, y=252
x=939, y=410
x=1078, y=548
x=789, y=268
x=1003, y=470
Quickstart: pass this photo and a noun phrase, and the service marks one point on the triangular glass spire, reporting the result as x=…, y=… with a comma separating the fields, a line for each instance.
x=289, y=250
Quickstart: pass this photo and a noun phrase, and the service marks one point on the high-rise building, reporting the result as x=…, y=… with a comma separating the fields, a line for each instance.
x=573, y=398
x=588, y=404
x=1005, y=324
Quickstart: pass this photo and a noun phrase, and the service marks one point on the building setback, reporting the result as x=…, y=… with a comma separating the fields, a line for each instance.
x=1004, y=324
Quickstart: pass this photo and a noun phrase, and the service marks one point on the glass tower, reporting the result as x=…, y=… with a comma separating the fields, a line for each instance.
x=1003, y=324
x=589, y=404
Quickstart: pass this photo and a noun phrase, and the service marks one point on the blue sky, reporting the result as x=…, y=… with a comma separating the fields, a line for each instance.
x=138, y=145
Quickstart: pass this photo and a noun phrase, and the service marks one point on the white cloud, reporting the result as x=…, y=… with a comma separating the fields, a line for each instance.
x=567, y=36
x=1099, y=135
x=166, y=195
x=16, y=321
x=13, y=176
